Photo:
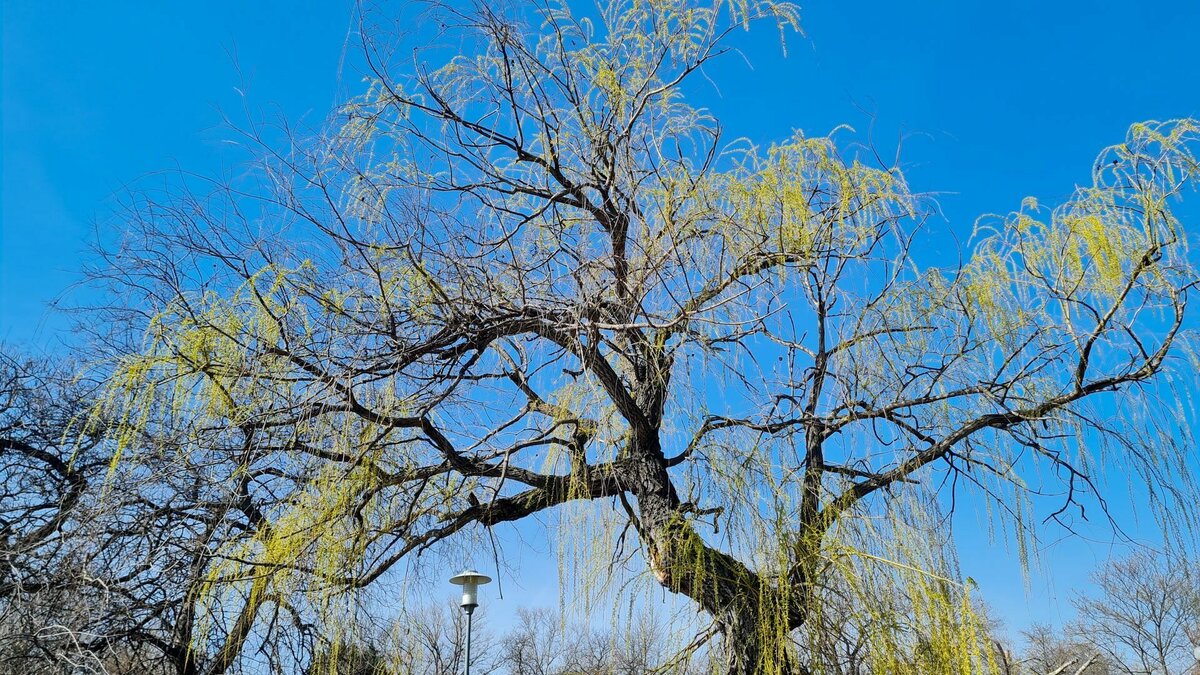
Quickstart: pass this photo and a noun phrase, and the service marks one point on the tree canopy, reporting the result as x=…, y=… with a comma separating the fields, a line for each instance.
x=535, y=279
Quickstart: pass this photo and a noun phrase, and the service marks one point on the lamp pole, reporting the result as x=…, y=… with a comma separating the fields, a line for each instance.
x=470, y=582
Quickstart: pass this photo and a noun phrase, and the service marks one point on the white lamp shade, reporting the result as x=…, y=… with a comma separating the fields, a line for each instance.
x=470, y=581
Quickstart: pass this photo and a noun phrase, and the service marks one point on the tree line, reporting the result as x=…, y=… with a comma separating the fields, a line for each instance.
x=104, y=567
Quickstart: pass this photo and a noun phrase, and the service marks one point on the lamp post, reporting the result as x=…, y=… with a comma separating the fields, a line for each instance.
x=470, y=582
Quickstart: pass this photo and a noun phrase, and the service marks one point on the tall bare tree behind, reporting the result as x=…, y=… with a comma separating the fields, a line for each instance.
x=105, y=565
x=1047, y=652
x=42, y=496
x=1143, y=613
x=535, y=280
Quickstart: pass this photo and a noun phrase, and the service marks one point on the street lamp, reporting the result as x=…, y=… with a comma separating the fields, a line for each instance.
x=470, y=581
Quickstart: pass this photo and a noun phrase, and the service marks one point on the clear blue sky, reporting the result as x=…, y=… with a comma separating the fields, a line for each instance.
x=996, y=100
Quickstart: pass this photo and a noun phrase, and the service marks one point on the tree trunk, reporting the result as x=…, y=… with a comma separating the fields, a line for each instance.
x=748, y=646
x=754, y=614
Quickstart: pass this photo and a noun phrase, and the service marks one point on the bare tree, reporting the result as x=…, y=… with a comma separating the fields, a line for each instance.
x=1049, y=652
x=541, y=644
x=1141, y=612
x=103, y=563
x=432, y=640
x=428, y=640
x=65, y=605
x=535, y=281
x=43, y=493
x=544, y=643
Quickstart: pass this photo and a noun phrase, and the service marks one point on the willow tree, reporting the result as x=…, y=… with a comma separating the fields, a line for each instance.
x=535, y=280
